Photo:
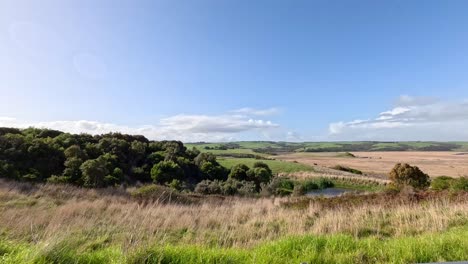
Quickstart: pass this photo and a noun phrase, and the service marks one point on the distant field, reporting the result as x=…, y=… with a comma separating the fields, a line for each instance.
x=270, y=148
x=432, y=162
x=277, y=166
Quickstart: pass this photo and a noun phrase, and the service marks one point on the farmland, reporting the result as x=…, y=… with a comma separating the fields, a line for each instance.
x=435, y=163
x=277, y=166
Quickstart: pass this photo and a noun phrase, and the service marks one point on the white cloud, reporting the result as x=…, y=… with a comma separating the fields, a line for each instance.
x=256, y=112
x=188, y=128
x=412, y=118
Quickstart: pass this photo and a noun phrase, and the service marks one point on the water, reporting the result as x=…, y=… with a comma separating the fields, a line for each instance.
x=329, y=192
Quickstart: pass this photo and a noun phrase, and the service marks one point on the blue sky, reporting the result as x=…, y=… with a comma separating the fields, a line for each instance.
x=237, y=70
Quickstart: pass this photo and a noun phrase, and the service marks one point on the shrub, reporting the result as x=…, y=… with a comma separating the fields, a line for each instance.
x=258, y=176
x=239, y=172
x=347, y=169
x=147, y=191
x=324, y=183
x=209, y=187
x=406, y=175
x=54, y=179
x=461, y=184
x=176, y=185
x=299, y=190
x=442, y=183
x=310, y=185
x=260, y=164
x=247, y=188
x=278, y=186
x=212, y=171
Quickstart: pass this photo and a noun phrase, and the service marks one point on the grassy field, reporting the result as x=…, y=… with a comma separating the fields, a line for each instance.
x=65, y=224
x=282, y=147
x=277, y=166
x=450, y=245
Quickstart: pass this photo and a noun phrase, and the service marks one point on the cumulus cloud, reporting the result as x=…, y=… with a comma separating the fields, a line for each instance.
x=188, y=128
x=412, y=118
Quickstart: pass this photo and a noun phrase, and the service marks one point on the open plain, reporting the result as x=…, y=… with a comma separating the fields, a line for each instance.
x=435, y=163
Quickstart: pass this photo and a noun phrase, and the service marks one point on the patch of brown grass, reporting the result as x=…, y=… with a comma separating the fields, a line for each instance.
x=48, y=212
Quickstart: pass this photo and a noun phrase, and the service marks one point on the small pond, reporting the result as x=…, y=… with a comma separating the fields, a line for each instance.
x=329, y=192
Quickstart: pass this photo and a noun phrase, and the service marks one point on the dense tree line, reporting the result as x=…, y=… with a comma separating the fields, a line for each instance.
x=41, y=155
x=44, y=155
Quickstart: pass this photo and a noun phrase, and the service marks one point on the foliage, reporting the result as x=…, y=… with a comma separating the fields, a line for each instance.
x=347, y=169
x=276, y=166
x=406, y=175
x=209, y=187
x=449, y=183
x=229, y=187
x=460, y=184
x=442, y=183
x=166, y=171
x=239, y=172
x=278, y=186
x=34, y=154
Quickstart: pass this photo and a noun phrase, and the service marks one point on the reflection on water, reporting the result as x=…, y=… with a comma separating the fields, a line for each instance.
x=329, y=192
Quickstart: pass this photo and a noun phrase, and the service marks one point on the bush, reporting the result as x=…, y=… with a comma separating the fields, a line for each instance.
x=324, y=183
x=209, y=187
x=299, y=190
x=405, y=175
x=347, y=169
x=176, y=185
x=239, y=172
x=54, y=179
x=260, y=164
x=229, y=187
x=310, y=185
x=247, y=188
x=258, y=176
x=461, y=184
x=212, y=171
x=278, y=186
x=442, y=183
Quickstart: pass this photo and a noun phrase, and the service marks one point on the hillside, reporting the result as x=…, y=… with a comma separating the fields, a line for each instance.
x=272, y=148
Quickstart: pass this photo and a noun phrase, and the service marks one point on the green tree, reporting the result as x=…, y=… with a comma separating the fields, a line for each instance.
x=239, y=172
x=260, y=164
x=94, y=171
x=205, y=157
x=406, y=175
x=212, y=171
x=73, y=168
x=166, y=171
x=258, y=176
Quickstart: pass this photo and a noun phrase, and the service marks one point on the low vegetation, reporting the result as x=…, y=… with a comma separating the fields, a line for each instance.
x=406, y=175
x=449, y=183
x=277, y=166
x=44, y=223
x=347, y=169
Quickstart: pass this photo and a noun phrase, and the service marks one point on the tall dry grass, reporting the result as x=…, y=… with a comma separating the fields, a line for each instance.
x=52, y=213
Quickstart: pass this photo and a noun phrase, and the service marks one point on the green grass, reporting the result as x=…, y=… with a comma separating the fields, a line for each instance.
x=431, y=247
x=346, y=184
x=277, y=166
x=246, y=146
